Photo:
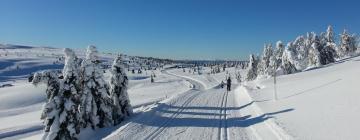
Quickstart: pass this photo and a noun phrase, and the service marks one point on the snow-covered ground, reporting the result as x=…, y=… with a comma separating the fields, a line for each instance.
x=325, y=101
x=21, y=102
x=201, y=113
x=316, y=104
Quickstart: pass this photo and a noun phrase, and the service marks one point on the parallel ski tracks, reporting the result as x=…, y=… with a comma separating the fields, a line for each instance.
x=223, y=130
x=162, y=127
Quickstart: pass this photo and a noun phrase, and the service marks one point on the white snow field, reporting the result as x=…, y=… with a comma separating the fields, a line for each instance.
x=316, y=104
x=325, y=101
x=21, y=102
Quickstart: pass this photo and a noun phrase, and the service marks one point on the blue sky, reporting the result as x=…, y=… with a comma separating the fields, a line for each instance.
x=179, y=29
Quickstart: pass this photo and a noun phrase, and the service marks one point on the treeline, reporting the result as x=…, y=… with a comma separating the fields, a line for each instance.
x=305, y=52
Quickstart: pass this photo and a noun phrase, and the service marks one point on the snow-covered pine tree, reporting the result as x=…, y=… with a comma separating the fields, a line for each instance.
x=347, y=44
x=252, y=68
x=301, y=53
x=238, y=76
x=269, y=54
x=309, y=39
x=330, y=35
x=278, y=53
x=328, y=52
x=70, y=119
x=314, y=54
x=118, y=91
x=52, y=107
x=96, y=107
x=287, y=65
x=273, y=66
x=263, y=65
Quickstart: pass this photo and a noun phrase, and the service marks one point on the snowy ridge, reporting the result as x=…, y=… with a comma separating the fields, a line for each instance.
x=259, y=131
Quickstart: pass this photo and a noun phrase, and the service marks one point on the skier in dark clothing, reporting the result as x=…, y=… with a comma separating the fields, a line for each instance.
x=228, y=84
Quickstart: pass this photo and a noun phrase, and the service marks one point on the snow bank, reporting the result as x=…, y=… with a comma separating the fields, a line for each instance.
x=325, y=101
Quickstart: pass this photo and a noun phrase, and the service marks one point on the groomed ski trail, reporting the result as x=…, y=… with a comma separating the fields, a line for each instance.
x=197, y=114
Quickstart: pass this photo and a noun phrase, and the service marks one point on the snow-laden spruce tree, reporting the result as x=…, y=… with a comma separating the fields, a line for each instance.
x=118, y=91
x=278, y=53
x=301, y=53
x=309, y=39
x=252, y=68
x=287, y=64
x=273, y=65
x=69, y=117
x=96, y=107
x=53, y=106
x=330, y=38
x=263, y=66
x=314, y=53
x=328, y=51
x=347, y=44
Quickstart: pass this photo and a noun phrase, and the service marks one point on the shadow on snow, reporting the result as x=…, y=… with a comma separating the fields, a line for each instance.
x=194, y=117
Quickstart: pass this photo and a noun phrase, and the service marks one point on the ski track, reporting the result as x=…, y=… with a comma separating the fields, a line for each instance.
x=223, y=130
x=163, y=126
x=197, y=114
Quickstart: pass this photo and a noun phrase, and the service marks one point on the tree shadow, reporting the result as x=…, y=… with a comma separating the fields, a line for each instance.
x=174, y=116
x=314, y=88
x=164, y=106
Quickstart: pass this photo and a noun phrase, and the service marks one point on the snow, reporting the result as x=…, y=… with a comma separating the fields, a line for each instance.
x=21, y=103
x=325, y=101
x=318, y=103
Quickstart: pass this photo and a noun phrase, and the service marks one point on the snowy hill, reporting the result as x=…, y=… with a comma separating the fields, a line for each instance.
x=325, y=101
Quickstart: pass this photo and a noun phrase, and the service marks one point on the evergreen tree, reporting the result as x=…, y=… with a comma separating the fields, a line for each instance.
x=96, y=107
x=302, y=52
x=328, y=52
x=330, y=35
x=70, y=118
x=314, y=53
x=287, y=60
x=263, y=65
x=252, y=69
x=347, y=44
x=52, y=107
x=279, y=50
x=273, y=66
x=118, y=91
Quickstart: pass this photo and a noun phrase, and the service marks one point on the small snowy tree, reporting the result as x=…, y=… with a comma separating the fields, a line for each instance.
x=52, y=107
x=314, y=57
x=70, y=119
x=273, y=66
x=287, y=65
x=330, y=35
x=328, y=52
x=252, y=69
x=118, y=91
x=263, y=65
x=96, y=104
x=314, y=54
x=347, y=44
x=238, y=76
x=278, y=53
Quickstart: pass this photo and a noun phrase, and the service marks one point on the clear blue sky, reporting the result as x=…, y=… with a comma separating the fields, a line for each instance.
x=180, y=29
